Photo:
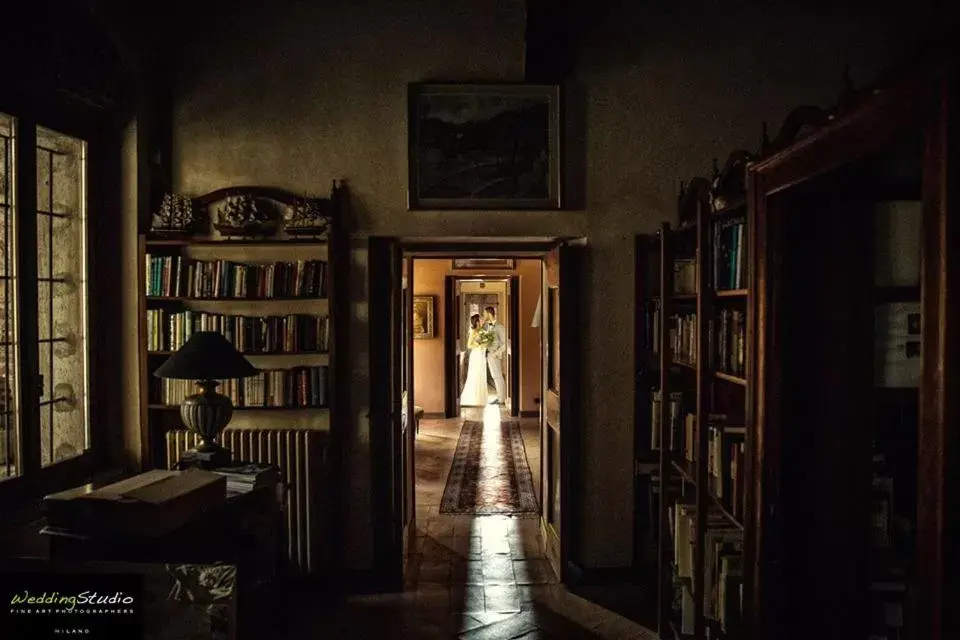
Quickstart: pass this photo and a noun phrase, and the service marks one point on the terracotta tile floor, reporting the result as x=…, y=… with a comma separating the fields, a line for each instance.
x=473, y=577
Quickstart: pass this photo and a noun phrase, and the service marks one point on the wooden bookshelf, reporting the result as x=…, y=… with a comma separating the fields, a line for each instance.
x=823, y=425
x=646, y=458
x=845, y=508
x=683, y=322
x=258, y=316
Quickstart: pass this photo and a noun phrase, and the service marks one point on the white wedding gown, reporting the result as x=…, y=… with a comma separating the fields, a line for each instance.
x=475, y=391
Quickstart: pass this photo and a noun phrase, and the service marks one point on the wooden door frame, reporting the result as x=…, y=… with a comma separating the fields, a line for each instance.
x=921, y=101
x=387, y=572
x=571, y=317
x=388, y=549
x=406, y=349
x=451, y=370
x=515, y=345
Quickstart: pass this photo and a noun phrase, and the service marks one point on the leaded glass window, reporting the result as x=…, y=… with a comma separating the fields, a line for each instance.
x=61, y=299
x=9, y=364
x=44, y=397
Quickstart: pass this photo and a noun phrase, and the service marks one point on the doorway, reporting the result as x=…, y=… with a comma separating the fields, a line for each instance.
x=475, y=302
x=405, y=427
x=473, y=295
x=445, y=292
x=479, y=298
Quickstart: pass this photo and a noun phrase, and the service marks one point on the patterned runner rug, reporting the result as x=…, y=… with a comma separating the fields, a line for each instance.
x=490, y=474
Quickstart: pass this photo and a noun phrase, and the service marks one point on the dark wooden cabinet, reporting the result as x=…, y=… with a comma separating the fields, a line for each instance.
x=818, y=411
x=849, y=505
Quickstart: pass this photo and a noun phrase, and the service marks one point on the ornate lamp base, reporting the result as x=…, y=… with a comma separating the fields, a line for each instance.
x=207, y=414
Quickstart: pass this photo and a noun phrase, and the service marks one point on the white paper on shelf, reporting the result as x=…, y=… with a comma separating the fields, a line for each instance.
x=897, y=344
x=897, y=242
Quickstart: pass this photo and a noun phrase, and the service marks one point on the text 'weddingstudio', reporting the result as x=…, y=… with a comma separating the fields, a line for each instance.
x=69, y=602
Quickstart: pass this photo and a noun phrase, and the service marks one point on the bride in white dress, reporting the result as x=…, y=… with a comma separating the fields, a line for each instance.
x=475, y=391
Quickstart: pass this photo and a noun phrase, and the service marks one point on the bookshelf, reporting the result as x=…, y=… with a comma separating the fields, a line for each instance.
x=692, y=299
x=855, y=388
x=646, y=537
x=275, y=297
x=838, y=502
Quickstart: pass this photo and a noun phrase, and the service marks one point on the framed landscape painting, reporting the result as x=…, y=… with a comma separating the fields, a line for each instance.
x=484, y=146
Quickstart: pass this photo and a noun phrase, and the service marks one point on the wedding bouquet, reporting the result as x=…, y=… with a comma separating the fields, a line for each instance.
x=485, y=338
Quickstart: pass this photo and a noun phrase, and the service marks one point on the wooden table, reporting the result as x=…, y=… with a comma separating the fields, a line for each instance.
x=245, y=531
x=226, y=532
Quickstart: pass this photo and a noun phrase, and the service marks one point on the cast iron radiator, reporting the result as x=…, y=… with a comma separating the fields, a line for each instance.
x=301, y=455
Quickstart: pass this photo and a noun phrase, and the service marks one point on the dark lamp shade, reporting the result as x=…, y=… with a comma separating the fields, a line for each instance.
x=207, y=355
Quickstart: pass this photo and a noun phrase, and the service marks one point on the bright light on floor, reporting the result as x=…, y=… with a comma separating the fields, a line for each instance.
x=491, y=536
x=489, y=414
x=475, y=572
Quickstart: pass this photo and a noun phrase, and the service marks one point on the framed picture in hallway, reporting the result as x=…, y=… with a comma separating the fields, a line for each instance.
x=423, y=309
x=484, y=146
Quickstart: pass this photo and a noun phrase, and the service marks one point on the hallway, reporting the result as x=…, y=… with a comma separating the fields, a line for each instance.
x=477, y=577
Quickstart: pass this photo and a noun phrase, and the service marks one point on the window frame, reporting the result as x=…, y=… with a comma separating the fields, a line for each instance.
x=34, y=480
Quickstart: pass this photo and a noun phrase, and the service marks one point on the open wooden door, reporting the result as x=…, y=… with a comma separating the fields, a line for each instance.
x=392, y=431
x=513, y=296
x=408, y=423
x=451, y=348
x=559, y=421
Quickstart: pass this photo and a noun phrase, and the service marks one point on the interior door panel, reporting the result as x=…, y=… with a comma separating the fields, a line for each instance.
x=390, y=418
x=559, y=430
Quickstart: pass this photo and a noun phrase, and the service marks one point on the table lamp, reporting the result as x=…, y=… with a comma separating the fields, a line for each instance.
x=206, y=357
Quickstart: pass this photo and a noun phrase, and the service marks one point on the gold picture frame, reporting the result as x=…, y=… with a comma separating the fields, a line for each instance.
x=423, y=317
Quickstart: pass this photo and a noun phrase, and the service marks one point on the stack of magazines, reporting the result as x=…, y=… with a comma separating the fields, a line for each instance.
x=243, y=477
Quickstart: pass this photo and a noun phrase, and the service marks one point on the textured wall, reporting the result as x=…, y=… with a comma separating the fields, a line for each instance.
x=292, y=94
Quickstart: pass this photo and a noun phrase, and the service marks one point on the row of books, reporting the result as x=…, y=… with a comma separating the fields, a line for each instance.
x=682, y=338
x=725, y=466
x=889, y=581
x=724, y=578
x=298, y=387
x=681, y=426
x=729, y=261
x=168, y=331
x=724, y=442
x=729, y=258
x=179, y=276
x=674, y=411
x=729, y=337
x=723, y=570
